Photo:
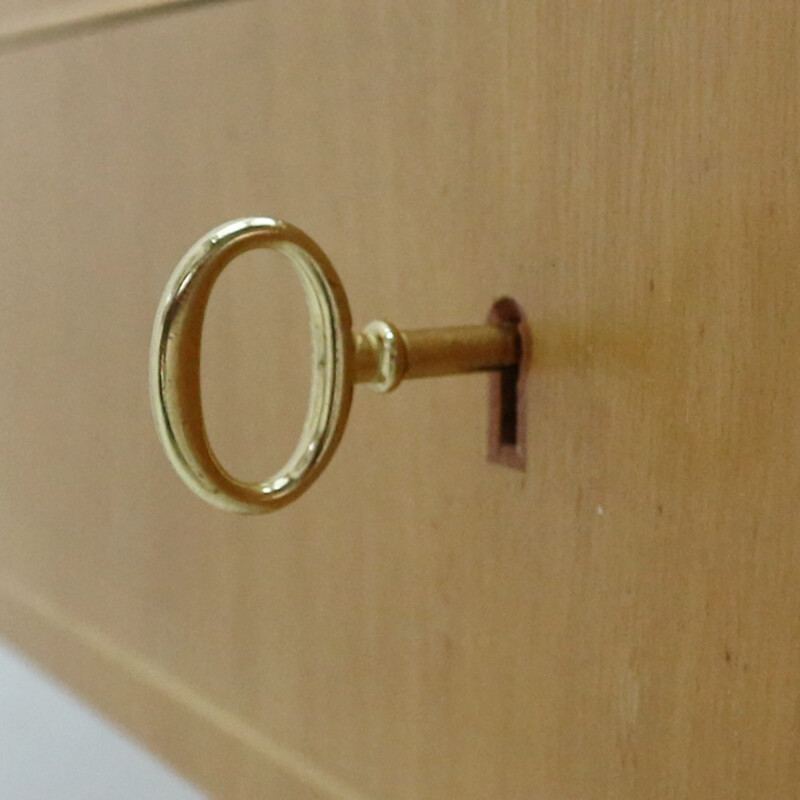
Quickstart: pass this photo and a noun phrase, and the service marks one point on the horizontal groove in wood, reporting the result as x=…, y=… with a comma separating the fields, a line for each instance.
x=58, y=21
x=132, y=691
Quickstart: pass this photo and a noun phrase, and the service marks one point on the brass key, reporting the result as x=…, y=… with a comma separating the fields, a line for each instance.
x=381, y=356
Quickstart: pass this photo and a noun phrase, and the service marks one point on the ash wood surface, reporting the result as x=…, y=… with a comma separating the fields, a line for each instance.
x=622, y=620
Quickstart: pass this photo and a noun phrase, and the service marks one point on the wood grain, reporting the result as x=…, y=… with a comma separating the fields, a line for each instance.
x=620, y=621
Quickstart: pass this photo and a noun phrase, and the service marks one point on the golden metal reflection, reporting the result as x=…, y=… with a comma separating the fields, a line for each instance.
x=381, y=356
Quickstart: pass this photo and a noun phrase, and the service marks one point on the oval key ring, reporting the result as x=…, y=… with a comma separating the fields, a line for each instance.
x=381, y=355
x=175, y=365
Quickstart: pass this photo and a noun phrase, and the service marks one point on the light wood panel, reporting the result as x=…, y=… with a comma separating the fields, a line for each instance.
x=619, y=621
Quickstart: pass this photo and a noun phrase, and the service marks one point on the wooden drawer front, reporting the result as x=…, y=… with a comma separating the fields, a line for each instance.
x=620, y=621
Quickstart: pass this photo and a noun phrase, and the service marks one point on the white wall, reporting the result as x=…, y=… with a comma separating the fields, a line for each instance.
x=52, y=747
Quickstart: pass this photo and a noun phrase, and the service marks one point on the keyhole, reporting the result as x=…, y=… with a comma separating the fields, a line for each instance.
x=507, y=393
